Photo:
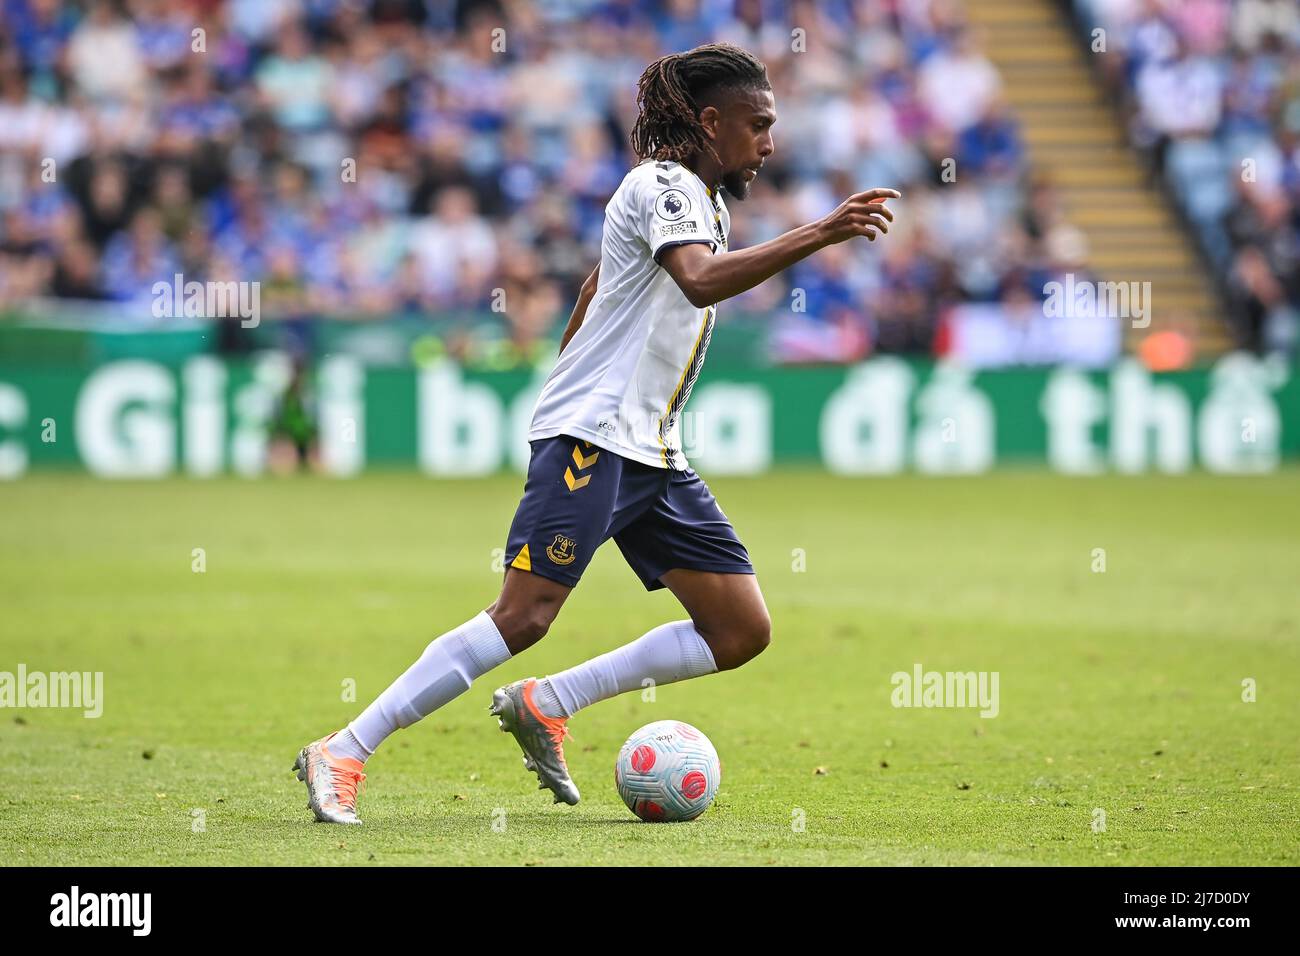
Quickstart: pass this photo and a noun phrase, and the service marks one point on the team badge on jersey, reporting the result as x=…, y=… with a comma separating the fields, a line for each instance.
x=560, y=551
x=672, y=204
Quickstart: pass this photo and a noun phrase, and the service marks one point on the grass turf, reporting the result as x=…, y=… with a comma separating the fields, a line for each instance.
x=1120, y=691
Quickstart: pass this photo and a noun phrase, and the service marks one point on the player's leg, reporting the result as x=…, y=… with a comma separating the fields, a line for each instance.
x=526, y=608
x=518, y=619
x=525, y=611
x=332, y=766
x=528, y=603
x=573, y=494
x=727, y=611
x=594, y=493
x=685, y=543
x=728, y=626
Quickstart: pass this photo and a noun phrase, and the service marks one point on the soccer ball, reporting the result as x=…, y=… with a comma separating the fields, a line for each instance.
x=667, y=772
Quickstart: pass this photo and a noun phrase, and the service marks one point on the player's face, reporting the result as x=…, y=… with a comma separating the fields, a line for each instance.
x=744, y=139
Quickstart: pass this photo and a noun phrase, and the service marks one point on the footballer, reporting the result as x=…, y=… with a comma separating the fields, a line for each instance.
x=606, y=442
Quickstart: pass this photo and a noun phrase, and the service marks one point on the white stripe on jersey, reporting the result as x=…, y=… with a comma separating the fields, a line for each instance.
x=624, y=377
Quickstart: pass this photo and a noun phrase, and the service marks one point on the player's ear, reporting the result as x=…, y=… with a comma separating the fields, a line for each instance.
x=709, y=119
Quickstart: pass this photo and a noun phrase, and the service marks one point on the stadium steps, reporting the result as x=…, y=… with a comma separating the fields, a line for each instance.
x=1074, y=137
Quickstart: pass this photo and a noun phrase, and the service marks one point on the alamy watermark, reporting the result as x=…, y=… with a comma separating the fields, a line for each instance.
x=922, y=688
x=208, y=300
x=71, y=689
x=75, y=908
x=1083, y=298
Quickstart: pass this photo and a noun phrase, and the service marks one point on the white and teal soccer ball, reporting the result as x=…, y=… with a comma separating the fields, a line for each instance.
x=667, y=772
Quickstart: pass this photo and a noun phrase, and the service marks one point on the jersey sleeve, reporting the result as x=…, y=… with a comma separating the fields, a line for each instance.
x=669, y=211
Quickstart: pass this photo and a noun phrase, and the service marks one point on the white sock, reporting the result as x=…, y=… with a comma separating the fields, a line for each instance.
x=444, y=671
x=345, y=744
x=669, y=653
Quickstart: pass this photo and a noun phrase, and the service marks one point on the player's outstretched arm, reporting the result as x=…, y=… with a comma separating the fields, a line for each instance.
x=707, y=279
x=585, y=295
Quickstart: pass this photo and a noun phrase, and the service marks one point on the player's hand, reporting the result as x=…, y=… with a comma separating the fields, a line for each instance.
x=862, y=214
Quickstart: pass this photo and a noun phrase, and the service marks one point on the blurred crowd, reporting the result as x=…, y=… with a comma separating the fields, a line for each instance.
x=1213, y=93
x=372, y=157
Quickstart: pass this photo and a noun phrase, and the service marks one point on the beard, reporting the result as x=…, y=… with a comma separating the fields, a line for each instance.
x=735, y=185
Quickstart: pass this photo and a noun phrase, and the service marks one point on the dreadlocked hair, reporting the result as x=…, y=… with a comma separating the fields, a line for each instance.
x=669, y=93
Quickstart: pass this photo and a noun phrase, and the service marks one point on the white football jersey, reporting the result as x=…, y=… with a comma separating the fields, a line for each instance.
x=624, y=377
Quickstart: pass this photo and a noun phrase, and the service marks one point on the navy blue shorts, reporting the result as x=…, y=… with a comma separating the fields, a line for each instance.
x=577, y=496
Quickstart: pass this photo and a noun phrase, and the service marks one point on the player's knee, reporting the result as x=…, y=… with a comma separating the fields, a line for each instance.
x=522, y=626
x=757, y=634
x=743, y=640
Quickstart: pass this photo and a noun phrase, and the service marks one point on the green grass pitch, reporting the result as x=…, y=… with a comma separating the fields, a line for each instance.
x=1119, y=691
